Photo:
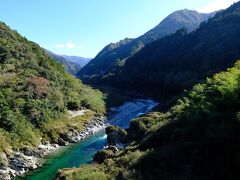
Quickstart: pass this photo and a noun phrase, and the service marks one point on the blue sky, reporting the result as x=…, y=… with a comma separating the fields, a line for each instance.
x=84, y=27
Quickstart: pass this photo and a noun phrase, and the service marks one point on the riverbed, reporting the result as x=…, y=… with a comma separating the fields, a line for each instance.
x=83, y=151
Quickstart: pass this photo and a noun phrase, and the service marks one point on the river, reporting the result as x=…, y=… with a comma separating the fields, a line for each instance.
x=82, y=152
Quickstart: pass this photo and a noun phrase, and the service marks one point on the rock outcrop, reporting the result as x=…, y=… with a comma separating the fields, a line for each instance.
x=18, y=163
x=115, y=135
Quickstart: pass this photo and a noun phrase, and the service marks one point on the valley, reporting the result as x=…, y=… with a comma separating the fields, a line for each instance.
x=163, y=105
x=82, y=152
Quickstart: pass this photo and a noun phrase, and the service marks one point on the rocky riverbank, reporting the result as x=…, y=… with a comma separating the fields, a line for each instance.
x=18, y=163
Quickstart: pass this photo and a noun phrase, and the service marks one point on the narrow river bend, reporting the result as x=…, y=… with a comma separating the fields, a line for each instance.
x=82, y=152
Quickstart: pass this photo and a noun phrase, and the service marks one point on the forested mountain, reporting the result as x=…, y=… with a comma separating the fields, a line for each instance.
x=167, y=66
x=69, y=66
x=187, y=19
x=110, y=60
x=35, y=94
x=198, y=138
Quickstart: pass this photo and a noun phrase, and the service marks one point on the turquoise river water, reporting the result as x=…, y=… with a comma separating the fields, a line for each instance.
x=81, y=153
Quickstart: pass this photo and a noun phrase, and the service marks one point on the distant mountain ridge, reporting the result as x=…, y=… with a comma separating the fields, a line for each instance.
x=110, y=60
x=77, y=59
x=164, y=68
x=196, y=138
x=69, y=66
x=72, y=64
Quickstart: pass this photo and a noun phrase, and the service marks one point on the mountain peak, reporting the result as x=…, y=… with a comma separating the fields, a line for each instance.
x=185, y=18
x=116, y=53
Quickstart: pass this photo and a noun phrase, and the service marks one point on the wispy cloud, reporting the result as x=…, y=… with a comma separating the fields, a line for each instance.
x=68, y=45
x=216, y=5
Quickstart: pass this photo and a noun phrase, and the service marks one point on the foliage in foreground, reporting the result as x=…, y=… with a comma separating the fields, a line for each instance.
x=198, y=138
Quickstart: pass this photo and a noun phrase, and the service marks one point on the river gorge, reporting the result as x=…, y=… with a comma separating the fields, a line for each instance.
x=82, y=152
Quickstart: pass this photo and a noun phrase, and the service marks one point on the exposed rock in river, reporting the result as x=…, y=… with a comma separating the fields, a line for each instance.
x=18, y=163
x=115, y=135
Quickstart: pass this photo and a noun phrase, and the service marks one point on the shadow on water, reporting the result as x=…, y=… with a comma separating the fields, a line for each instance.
x=82, y=152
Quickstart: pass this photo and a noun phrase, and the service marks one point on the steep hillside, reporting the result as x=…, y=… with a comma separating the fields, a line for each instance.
x=35, y=93
x=198, y=138
x=71, y=67
x=167, y=66
x=110, y=60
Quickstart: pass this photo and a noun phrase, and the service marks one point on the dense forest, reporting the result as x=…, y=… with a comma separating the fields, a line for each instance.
x=35, y=94
x=112, y=58
x=198, y=138
x=190, y=63
x=164, y=68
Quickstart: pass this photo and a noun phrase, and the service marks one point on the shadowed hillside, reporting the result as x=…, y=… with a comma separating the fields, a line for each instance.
x=111, y=59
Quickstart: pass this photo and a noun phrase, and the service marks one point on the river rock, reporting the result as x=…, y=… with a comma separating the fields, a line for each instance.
x=112, y=148
x=39, y=152
x=17, y=163
x=20, y=163
x=4, y=161
x=46, y=143
x=71, y=136
x=115, y=135
x=4, y=175
x=61, y=142
x=27, y=151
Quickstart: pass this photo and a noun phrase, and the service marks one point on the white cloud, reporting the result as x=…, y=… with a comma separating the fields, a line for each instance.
x=69, y=45
x=216, y=5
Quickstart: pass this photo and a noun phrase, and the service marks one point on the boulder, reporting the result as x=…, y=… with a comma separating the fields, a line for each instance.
x=61, y=142
x=39, y=153
x=3, y=161
x=71, y=136
x=4, y=175
x=115, y=135
x=28, y=151
x=20, y=163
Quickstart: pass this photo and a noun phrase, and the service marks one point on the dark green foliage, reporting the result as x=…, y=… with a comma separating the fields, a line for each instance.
x=203, y=134
x=111, y=129
x=198, y=138
x=112, y=58
x=142, y=126
x=34, y=90
x=164, y=68
x=105, y=60
x=101, y=156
